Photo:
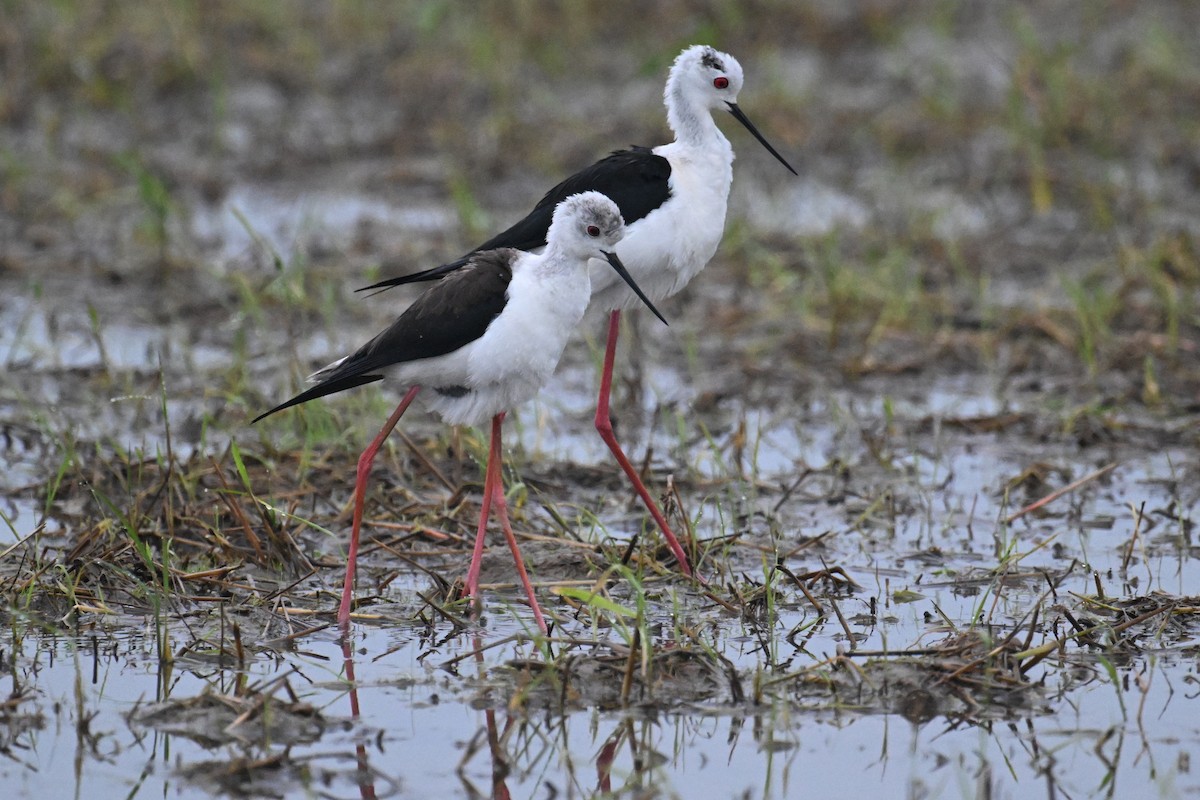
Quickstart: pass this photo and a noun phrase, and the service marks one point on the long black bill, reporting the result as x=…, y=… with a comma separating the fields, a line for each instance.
x=625, y=276
x=742, y=118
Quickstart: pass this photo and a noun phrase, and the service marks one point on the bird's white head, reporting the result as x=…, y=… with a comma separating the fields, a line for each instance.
x=703, y=77
x=585, y=224
x=588, y=225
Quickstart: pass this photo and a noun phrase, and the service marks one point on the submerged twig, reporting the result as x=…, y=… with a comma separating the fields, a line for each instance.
x=1070, y=487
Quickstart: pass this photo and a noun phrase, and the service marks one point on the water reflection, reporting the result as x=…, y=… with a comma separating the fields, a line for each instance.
x=495, y=740
x=492, y=730
x=364, y=776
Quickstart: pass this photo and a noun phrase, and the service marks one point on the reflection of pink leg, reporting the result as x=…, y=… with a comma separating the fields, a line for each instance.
x=500, y=765
x=604, y=763
x=360, y=493
x=604, y=426
x=493, y=494
x=366, y=786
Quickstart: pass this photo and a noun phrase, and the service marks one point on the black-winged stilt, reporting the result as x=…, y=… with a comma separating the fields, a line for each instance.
x=483, y=340
x=673, y=198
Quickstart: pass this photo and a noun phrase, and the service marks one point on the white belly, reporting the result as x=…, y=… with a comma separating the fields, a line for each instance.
x=514, y=358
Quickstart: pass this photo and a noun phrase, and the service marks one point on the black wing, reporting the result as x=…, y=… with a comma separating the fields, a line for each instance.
x=635, y=179
x=449, y=315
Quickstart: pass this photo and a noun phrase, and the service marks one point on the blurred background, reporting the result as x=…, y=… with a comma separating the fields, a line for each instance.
x=984, y=285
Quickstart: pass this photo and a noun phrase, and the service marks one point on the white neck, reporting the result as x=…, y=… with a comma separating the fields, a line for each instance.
x=692, y=125
x=551, y=258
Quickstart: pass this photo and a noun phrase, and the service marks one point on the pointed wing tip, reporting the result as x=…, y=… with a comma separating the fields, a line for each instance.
x=266, y=414
x=432, y=274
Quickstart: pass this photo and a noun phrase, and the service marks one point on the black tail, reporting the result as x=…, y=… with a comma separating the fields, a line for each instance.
x=431, y=274
x=320, y=390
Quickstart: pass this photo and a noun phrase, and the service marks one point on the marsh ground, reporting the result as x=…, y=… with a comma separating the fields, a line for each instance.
x=982, y=292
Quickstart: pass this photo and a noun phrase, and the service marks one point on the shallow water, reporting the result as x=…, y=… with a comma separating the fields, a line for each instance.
x=425, y=728
x=1095, y=728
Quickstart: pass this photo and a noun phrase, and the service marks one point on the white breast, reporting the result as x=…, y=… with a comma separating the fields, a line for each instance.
x=669, y=246
x=520, y=350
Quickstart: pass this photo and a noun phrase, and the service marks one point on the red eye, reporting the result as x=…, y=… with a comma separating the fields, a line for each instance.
x=593, y=231
x=721, y=82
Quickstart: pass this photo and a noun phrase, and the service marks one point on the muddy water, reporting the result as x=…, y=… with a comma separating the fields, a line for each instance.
x=424, y=729
x=96, y=713
x=910, y=509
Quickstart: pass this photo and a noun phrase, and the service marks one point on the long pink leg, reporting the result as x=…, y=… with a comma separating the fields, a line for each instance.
x=360, y=493
x=485, y=508
x=493, y=486
x=604, y=426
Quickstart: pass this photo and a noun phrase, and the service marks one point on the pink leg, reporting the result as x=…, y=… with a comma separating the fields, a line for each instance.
x=485, y=508
x=604, y=426
x=493, y=486
x=360, y=493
